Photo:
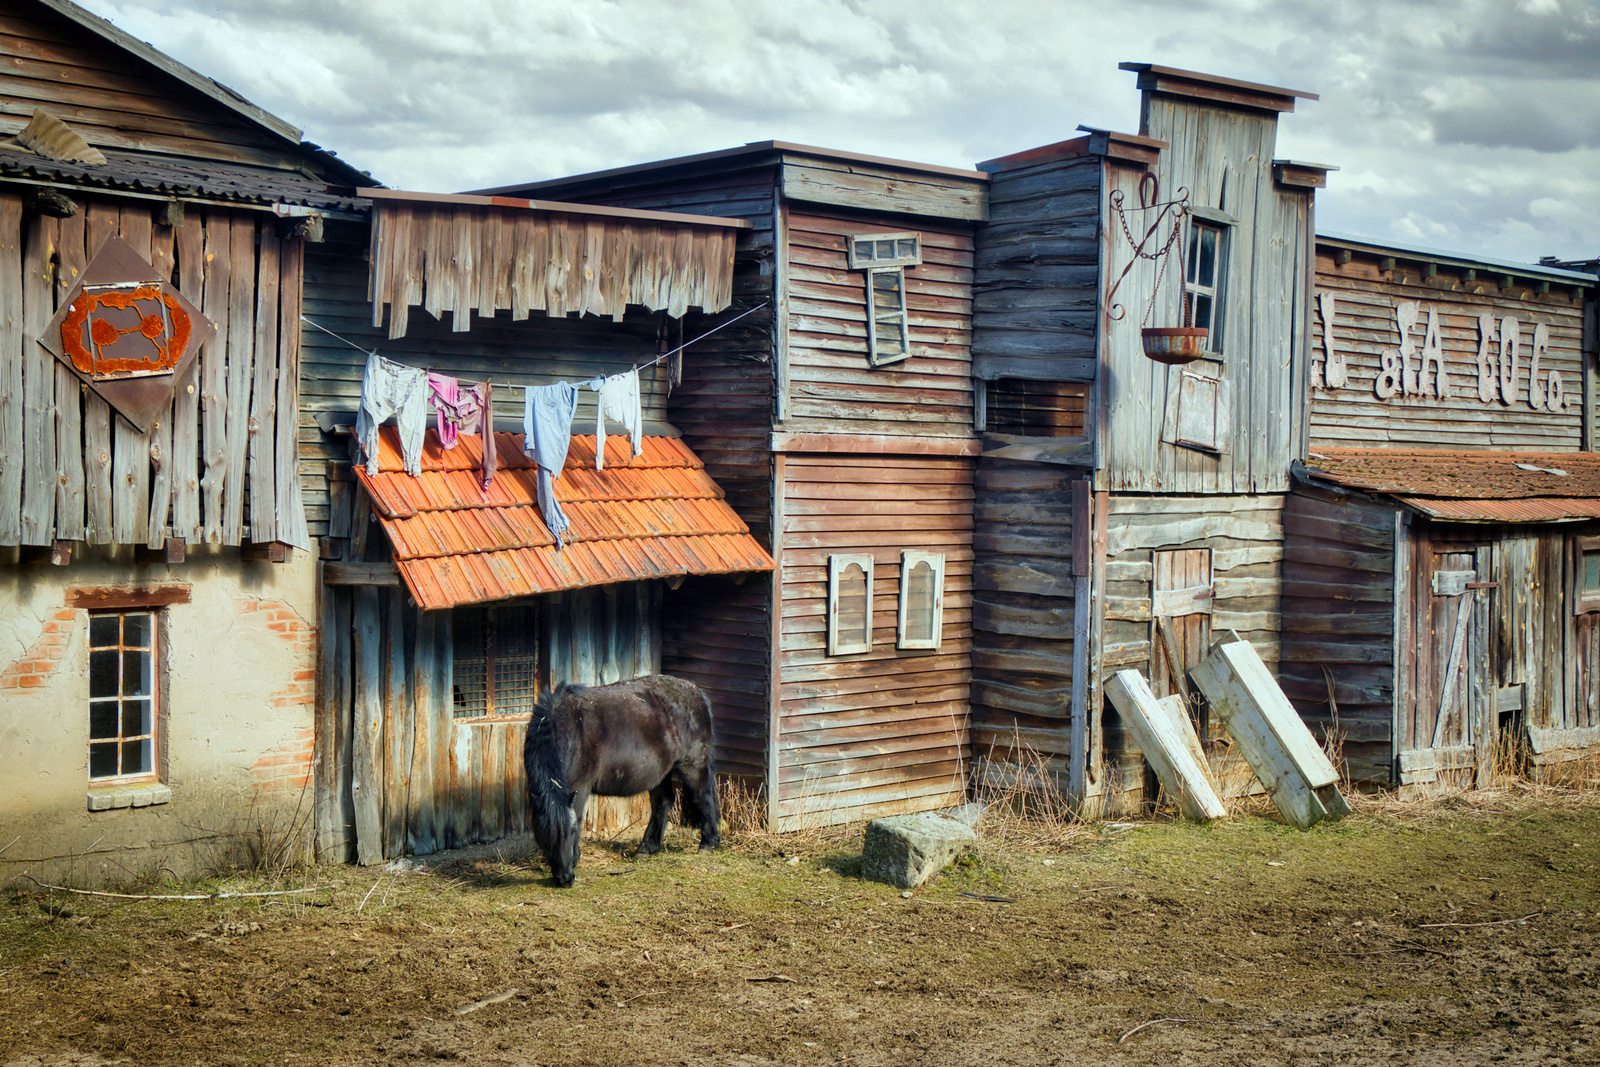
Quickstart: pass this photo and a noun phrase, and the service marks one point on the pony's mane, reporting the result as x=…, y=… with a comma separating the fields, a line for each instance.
x=544, y=759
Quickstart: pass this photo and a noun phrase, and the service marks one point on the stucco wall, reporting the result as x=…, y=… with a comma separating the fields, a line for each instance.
x=236, y=680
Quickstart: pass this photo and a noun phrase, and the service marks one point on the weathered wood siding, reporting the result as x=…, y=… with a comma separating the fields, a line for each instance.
x=1535, y=655
x=537, y=351
x=111, y=98
x=398, y=772
x=1036, y=301
x=1339, y=624
x=217, y=465
x=831, y=386
x=1223, y=157
x=717, y=633
x=1364, y=327
x=483, y=258
x=1023, y=613
x=885, y=730
x=1245, y=537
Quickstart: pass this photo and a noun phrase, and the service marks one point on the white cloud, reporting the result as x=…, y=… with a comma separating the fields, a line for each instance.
x=1451, y=122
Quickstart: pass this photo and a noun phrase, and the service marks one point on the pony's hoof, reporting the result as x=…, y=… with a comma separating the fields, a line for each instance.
x=647, y=849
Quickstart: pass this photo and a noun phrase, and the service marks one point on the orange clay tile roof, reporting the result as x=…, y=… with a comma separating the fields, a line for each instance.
x=659, y=516
x=1467, y=486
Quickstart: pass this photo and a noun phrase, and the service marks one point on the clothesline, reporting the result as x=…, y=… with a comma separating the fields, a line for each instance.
x=637, y=367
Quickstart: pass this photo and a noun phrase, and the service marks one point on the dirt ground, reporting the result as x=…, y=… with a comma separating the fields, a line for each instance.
x=1464, y=931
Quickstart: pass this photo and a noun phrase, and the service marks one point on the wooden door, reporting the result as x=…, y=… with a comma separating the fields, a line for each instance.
x=1180, y=612
x=1453, y=728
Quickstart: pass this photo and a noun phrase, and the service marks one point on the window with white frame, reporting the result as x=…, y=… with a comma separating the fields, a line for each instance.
x=884, y=257
x=849, y=604
x=1205, y=270
x=495, y=660
x=921, y=599
x=123, y=713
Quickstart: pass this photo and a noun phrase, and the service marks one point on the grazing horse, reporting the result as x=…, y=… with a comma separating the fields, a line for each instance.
x=653, y=733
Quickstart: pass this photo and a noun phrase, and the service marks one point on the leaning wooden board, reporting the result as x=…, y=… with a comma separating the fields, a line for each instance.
x=1270, y=733
x=1167, y=738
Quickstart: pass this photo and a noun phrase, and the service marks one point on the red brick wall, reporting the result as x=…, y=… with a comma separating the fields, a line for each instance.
x=32, y=670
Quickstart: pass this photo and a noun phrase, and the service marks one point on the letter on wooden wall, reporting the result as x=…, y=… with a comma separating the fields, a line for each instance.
x=1433, y=352
x=1488, y=374
x=1334, y=373
x=1397, y=375
x=1510, y=341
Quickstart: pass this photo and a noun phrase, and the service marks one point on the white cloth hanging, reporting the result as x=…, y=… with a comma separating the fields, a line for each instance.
x=390, y=388
x=618, y=401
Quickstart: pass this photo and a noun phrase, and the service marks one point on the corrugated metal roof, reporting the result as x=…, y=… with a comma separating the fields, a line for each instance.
x=658, y=516
x=1465, y=486
x=1540, y=509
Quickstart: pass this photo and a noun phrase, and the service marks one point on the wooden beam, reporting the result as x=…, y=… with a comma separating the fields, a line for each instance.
x=875, y=444
x=172, y=550
x=334, y=573
x=112, y=598
x=265, y=552
x=1163, y=732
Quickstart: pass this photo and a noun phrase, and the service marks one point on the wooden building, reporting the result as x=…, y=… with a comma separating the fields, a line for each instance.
x=839, y=418
x=153, y=233
x=1127, y=509
x=447, y=607
x=1441, y=563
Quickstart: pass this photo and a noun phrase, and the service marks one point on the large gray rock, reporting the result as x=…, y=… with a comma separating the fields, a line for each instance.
x=907, y=850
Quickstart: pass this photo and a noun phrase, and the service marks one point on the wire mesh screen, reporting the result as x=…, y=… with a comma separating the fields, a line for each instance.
x=469, y=672
x=496, y=667
x=516, y=660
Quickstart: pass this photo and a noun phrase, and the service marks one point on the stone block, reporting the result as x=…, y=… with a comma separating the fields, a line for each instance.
x=907, y=850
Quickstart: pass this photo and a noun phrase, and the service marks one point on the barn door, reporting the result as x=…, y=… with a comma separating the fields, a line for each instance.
x=1455, y=717
x=1180, y=611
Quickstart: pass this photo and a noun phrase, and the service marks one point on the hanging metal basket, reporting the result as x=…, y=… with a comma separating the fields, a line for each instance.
x=1174, y=344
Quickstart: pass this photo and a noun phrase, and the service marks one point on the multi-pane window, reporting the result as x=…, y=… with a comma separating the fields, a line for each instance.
x=1586, y=582
x=122, y=695
x=884, y=257
x=1205, y=267
x=495, y=651
x=921, y=599
x=849, y=605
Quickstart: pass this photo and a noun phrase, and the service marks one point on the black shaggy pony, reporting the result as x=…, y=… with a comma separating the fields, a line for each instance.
x=653, y=733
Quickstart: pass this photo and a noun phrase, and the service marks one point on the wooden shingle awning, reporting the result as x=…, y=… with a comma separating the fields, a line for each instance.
x=465, y=253
x=658, y=515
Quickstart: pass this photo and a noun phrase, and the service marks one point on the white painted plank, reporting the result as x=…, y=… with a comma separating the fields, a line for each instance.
x=1167, y=738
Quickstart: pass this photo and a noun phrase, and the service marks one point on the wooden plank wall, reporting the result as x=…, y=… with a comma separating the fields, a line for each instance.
x=1245, y=536
x=415, y=779
x=831, y=386
x=512, y=355
x=1036, y=305
x=714, y=633
x=1224, y=158
x=111, y=98
x=1339, y=624
x=1023, y=614
x=1364, y=327
x=883, y=731
x=208, y=469
x=466, y=258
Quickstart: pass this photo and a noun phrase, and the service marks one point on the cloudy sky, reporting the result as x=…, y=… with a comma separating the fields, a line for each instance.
x=1470, y=125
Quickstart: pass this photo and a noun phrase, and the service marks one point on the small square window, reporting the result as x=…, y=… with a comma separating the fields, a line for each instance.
x=495, y=660
x=849, y=605
x=123, y=719
x=921, y=599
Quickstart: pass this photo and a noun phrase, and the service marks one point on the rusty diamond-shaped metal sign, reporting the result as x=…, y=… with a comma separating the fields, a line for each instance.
x=128, y=333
